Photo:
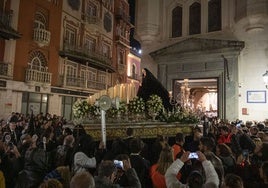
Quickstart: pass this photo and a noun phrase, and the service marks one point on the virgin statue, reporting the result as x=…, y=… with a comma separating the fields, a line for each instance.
x=150, y=85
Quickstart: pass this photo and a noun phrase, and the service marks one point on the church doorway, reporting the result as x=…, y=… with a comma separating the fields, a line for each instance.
x=200, y=95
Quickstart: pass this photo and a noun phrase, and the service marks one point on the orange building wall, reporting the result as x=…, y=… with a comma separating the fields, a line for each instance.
x=26, y=44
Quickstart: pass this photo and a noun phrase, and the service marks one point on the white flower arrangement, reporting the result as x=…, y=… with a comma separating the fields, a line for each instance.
x=154, y=104
x=113, y=111
x=80, y=108
x=136, y=105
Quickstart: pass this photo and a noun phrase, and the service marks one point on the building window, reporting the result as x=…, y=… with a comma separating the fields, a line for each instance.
x=37, y=61
x=71, y=71
x=195, y=18
x=84, y=73
x=35, y=102
x=106, y=50
x=71, y=74
x=70, y=36
x=177, y=22
x=92, y=75
x=214, y=15
x=91, y=9
x=90, y=44
x=39, y=21
x=102, y=78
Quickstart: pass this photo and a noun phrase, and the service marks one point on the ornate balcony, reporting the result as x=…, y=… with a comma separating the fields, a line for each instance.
x=6, y=30
x=34, y=77
x=80, y=54
x=120, y=14
x=41, y=37
x=122, y=40
x=6, y=70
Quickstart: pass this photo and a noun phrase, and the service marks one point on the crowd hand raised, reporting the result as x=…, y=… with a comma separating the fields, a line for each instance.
x=126, y=164
x=101, y=145
x=185, y=156
x=201, y=156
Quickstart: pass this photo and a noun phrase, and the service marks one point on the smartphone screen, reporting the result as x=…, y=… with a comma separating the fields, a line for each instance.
x=118, y=164
x=193, y=155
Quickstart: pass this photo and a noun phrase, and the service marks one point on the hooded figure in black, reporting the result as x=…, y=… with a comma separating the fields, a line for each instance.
x=150, y=85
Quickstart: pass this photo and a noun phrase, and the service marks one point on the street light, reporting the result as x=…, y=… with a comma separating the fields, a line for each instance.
x=265, y=79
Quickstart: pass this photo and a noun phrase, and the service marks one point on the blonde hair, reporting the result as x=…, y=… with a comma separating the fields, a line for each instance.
x=165, y=159
x=51, y=183
x=65, y=174
x=82, y=180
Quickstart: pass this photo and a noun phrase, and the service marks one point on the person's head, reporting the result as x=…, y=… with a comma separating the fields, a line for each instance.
x=129, y=131
x=165, y=159
x=224, y=130
x=206, y=144
x=253, y=130
x=82, y=180
x=12, y=126
x=51, y=183
x=223, y=150
x=232, y=181
x=107, y=170
x=65, y=174
x=86, y=145
x=195, y=179
x=68, y=140
x=67, y=131
x=197, y=132
x=143, y=72
x=136, y=145
x=118, y=146
x=179, y=138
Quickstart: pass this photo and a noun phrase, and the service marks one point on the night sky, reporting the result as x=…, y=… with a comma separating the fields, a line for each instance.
x=133, y=42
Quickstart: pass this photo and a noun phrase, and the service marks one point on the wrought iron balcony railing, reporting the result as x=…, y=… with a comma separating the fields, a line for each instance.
x=41, y=37
x=85, y=52
x=36, y=76
x=6, y=70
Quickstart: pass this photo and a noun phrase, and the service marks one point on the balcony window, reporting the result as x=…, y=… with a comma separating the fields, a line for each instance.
x=41, y=34
x=70, y=36
x=92, y=75
x=37, y=61
x=90, y=44
x=40, y=21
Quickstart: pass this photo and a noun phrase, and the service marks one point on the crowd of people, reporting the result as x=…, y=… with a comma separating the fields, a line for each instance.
x=40, y=151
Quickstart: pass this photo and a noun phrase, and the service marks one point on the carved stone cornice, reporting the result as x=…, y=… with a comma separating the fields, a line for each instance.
x=198, y=45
